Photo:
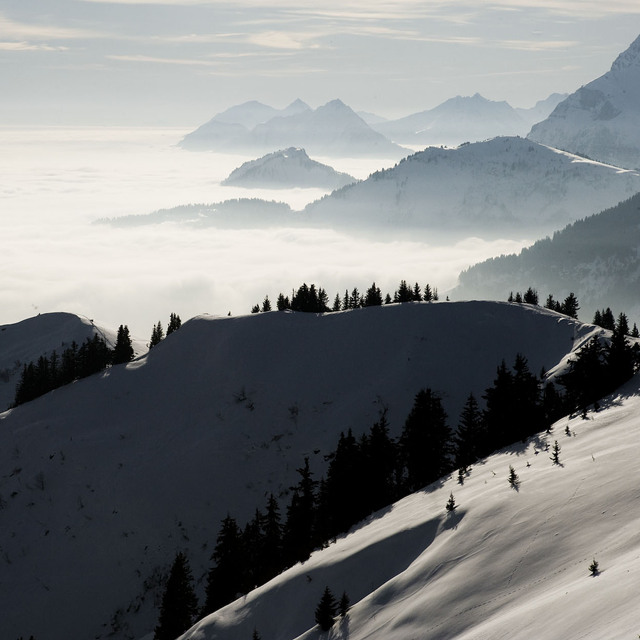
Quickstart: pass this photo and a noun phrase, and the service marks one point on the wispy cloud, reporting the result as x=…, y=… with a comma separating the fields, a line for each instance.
x=387, y=8
x=27, y=46
x=13, y=30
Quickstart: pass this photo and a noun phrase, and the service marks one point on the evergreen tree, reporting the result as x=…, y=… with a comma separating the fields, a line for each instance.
x=272, y=561
x=583, y=382
x=346, y=301
x=179, y=603
x=622, y=324
x=174, y=323
x=634, y=332
x=326, y=610
x=530, y=296
x=266, y=304
x=552, y=304
x=157, y=335
x=404, y=293
x=252, y=542
x=427, y=296
x=282, y=304
x=555, y=453
x=500, y=411
x=417, y=293
x=514, y=480
x=344, y=490
x=343, y=606
x=451, y=504
x=526, y=397
x=570, y=306
x=387, y=299
x=226, y=578
x=469, y=438
x=255, y=308
x=608, y=321
x=597, y=318
x=426, y=441
x=518, y=298
x=594, y=568
x=299, y=538
x=123, y=349
x=337, y=304
x=619, y=357
x=354, y=299
x=372, y=297
x=379, y=459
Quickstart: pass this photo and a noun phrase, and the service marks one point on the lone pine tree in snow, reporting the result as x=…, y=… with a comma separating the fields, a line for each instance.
x=514, y=480
x=451, y=503
x=555, y=453
x=179, y=603
x=594, y=568
x=326, y=610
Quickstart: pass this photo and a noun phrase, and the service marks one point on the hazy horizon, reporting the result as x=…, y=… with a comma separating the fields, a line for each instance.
x=57, y=181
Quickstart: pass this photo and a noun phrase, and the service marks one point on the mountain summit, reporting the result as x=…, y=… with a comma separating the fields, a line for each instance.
x=600, y=120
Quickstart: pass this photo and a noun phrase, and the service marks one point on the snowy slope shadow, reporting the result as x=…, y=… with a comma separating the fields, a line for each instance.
x=360, y=574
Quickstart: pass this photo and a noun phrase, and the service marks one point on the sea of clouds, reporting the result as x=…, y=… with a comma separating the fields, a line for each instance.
x=55, y=182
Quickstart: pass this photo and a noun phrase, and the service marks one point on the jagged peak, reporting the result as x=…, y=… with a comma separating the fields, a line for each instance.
x=628, y=58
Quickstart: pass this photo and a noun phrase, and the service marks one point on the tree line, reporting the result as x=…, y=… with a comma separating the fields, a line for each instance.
x=312, y=299
x=94, y=355
x=366, y=473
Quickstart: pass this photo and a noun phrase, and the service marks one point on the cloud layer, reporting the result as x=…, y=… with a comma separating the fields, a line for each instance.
x=58, y=181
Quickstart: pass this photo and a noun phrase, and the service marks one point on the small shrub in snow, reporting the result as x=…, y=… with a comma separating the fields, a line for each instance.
x=594, y=568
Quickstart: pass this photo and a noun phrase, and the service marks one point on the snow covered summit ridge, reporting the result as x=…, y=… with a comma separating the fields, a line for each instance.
x=287, y=168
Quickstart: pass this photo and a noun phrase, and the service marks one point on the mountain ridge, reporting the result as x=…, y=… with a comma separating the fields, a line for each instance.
x=106, y=463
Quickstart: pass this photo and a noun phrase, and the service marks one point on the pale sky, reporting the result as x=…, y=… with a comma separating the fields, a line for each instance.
x=178, y=62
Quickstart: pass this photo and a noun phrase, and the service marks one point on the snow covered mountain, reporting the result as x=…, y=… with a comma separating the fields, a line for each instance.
x=507, y=563
x=596, y=258
x=26, y=341
x=231, y=129
x=333, y=129
x=105, y=479
x=458, y=120
x=287, y=169
x=253, y=113
x=542, y=109
x=602, y=119
x=504, y=187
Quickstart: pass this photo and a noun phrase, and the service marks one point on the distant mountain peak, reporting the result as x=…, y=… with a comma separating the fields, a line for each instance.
x=600, y=119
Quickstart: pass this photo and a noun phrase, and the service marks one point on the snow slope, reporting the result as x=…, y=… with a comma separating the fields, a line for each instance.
x=601, y=119
x=24, y=342
x=505, y=187
x=103, y=480
x=287, y=169
x=505, y=564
